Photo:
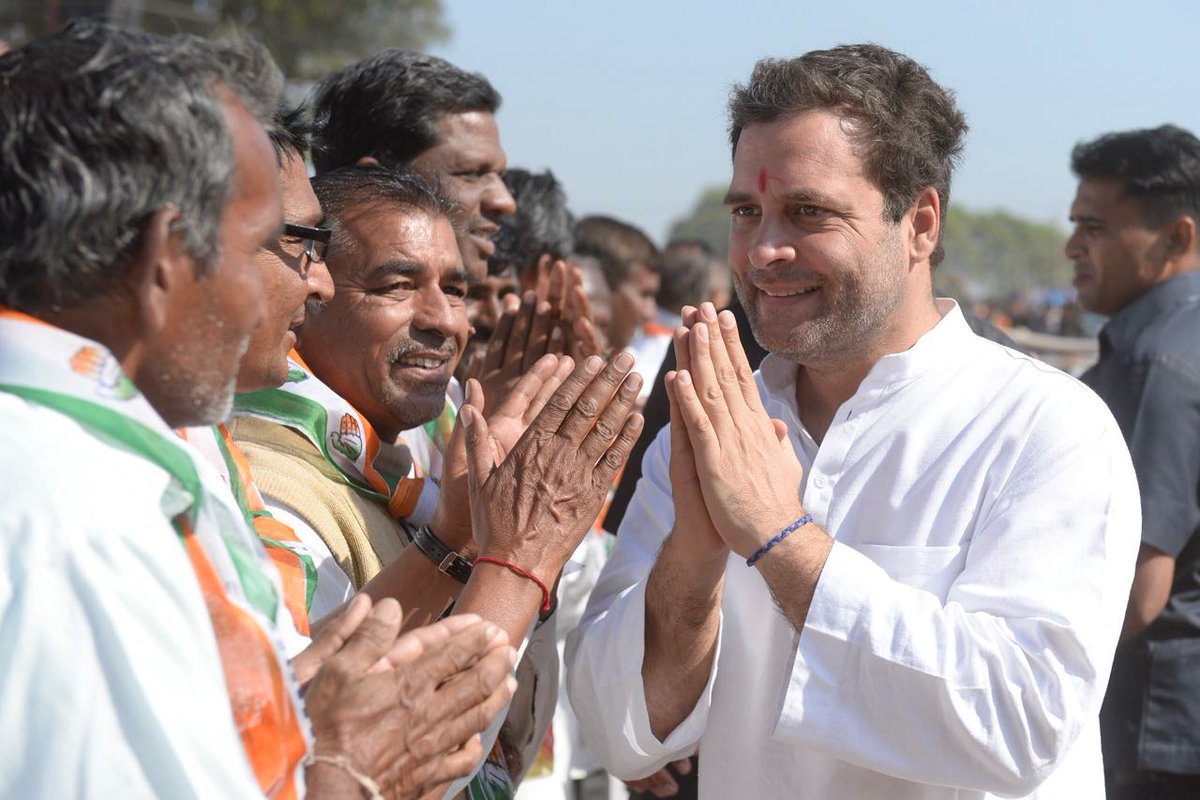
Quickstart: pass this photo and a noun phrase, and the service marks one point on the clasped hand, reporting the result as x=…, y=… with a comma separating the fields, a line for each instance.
x=736, y=457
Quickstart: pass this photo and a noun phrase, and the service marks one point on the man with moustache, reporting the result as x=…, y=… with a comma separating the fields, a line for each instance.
x=327, y=452
x=136, y=613
x=1137, y=261
x=843, y=576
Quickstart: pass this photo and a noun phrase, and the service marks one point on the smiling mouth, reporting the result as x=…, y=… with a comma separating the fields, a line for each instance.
x=420, y=362
x=788, y=292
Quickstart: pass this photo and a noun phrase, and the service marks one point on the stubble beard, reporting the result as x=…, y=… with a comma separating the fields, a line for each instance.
x=854, y=317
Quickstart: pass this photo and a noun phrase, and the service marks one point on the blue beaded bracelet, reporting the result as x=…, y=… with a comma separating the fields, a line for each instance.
x=777, y=538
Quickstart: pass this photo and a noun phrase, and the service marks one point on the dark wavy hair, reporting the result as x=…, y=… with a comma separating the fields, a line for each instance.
x=908, y=128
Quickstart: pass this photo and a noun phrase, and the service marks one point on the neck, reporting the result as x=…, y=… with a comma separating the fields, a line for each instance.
x=105, y=320
x=822, y=386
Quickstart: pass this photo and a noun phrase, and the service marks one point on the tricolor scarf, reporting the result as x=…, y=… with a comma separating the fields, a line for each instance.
x=347, y=441
x=291, y=557
x=80, y=379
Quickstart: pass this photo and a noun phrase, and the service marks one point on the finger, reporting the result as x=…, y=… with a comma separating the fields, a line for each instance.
x=615, y=457
x=549, y=387
x=704, y=377
x=586, y=410
x=528, y=387
x=683, y=766
x=662, y=784
x=723, y=369
x=415, y=643
x=612, y=418
x=588, y=341
x=557, y=343
x=457, y=764
x=577, y=300
x=514, y=350
x=468, y=698
x=681, y=339
x=558, y=287
x=681, y=443
x=727, y=324
x=371, y=639
x=474, y=396
x=542, y=322
x=479, y=451
x=542, y=287
x=781, y=431
x=332, y=635
x=700, y=431
x=563, y=400
x=498, y=344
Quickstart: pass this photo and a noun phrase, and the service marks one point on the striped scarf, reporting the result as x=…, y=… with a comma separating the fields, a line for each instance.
x=80, y=379
x=347, y=441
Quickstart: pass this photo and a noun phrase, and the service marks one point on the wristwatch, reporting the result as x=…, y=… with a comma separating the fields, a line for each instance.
x=446, y=559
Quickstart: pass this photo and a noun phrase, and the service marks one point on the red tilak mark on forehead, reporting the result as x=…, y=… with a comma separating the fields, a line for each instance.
x=762, y=180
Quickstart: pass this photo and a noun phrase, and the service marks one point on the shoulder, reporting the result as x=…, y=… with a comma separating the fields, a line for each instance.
x=60, y=474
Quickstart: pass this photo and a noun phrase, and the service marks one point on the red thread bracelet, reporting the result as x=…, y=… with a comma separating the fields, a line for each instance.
x=523, y=573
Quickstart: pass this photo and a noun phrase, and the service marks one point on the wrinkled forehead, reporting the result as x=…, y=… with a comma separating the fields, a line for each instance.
x=376, y=233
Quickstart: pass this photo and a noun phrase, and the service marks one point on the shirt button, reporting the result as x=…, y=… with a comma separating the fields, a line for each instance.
x=820, y=482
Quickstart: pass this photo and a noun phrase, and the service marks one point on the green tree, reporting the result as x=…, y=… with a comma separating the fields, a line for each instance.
x=308, y=38
x=988, y=254
x=995, y=253
x=708, y=221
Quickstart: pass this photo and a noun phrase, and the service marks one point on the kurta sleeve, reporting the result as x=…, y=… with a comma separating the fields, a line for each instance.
x=604, y=653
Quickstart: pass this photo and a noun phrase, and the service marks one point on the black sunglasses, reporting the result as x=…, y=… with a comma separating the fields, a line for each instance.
x=316, y=240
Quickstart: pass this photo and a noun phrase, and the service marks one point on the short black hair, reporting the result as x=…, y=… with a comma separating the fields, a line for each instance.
x=1158, y=167
x=542, y=225
x=354, y=187
x=388, y=106
x=616, y=245
x=289, y=132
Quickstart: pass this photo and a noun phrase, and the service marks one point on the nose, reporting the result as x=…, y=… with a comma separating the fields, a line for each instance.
x=319, y=281
x=1074, y=246
x=433, y=312
x=769, y=245
x=497, y=201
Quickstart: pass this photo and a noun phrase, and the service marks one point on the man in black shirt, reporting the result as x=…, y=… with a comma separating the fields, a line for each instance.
x=1135, y=253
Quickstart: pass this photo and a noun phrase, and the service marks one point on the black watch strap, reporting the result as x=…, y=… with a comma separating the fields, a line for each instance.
x=446, y=559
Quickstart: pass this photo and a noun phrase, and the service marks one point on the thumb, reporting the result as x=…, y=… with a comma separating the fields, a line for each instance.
x=781, y=430
x=373, y=638
x=474, y=395
x=479, y=451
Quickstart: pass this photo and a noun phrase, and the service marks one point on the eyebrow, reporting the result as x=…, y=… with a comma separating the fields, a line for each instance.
x=1085, y=218
x=408, y=269
x=733, y=198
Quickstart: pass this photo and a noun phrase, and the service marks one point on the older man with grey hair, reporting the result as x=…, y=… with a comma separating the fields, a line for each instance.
x=138, y=616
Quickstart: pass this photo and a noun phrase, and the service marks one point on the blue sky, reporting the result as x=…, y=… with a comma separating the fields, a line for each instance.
x=625, y=100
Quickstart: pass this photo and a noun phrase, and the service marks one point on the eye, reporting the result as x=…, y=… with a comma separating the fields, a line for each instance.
x=809, y=211
x=455, y=291
x=744, y=211
x=393, y=288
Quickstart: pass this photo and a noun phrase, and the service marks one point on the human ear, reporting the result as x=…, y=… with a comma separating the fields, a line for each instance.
x=1181, y=242
x=164, y=266
x=925, y=219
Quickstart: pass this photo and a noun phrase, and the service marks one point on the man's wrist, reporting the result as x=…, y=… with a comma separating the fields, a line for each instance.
x=447, y=560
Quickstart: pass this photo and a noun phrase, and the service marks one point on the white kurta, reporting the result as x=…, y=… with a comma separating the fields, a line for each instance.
x=110, y=680
x=958, y=645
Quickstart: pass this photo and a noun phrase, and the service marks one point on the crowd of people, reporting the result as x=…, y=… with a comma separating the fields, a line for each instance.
x=391, y=478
